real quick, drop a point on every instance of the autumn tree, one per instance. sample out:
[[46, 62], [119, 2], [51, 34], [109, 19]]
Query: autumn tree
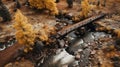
[[25, 34], [44, 33], [85, 8], [45, 4]]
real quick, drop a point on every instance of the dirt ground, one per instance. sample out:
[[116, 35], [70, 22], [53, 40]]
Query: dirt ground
[[107, 55]]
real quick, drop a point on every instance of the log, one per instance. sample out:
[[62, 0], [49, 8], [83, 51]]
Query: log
[[71, 28], [9, 54]]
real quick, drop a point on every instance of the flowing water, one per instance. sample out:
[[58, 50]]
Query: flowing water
[[82, 46]]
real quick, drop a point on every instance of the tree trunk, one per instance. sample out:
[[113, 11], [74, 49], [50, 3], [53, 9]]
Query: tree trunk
[[9, 54]]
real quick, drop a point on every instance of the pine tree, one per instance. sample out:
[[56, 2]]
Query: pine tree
[[18, 5], [70, 3], [4, 12]]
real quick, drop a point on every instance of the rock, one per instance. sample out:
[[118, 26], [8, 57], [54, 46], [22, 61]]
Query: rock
[[98, 35], [2, 47], [93, 52], [77, 57], [59, 60], [74, 46], [88, 38], [62, 43], [65, 66], [80, 50]]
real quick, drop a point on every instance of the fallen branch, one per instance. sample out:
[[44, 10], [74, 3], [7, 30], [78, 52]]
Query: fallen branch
[[9, 54], [70, 28]]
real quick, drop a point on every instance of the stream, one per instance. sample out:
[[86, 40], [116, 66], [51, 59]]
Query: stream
[[77, 54]]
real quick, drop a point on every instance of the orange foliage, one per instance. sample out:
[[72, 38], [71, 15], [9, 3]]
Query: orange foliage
[[45, 32], [47, 4], [85, 8]]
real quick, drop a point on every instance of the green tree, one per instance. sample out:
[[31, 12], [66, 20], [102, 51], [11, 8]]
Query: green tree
[[4, 12]]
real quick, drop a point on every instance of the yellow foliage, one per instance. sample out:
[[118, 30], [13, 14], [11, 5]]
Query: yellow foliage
[[117, 32], [47, 4], [45, 32], [85, 8], [25, 34]]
